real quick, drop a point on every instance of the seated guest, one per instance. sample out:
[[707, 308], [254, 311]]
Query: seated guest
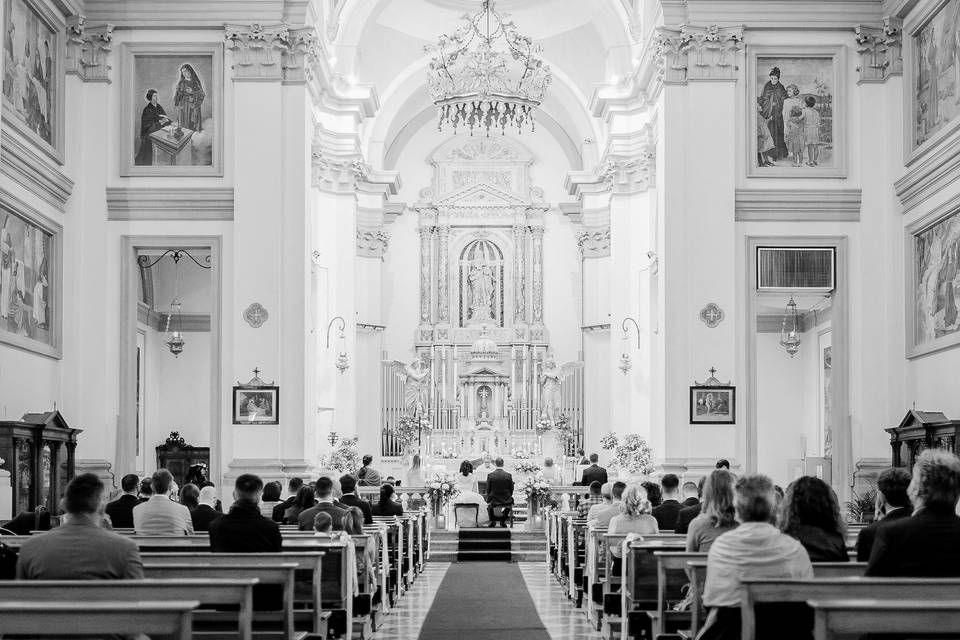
[[686, 515], [353, 521], [121, 509], [349, 497], [690, 492], [323, 524], [369, 477], [79, 549], [892, 504], [811, 514], [591, 499], [593, 473], [392, 480], [583, 458], [27, 521], [602, 513], [174, 493], [719, 513], [666, 512], [549, 472], [189, 495], [634, 516], [387, 505], [205, 513], [754, 549], [305, 499], [324, 493], [924, 545], [146, 489], [161, 516], [271, 498], [723, 463], [292, 488], [653, 492]]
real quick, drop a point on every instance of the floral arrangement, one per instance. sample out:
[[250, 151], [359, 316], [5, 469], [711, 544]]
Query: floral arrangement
[[527, 467], [566, 439], [440, 490], [448, 454], [609, 441], [409, 428], [345, 457], [176, 439], [544, 424], [520, 454], [537, 490], [633, 455]]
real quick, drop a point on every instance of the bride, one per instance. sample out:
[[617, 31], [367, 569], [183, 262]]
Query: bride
[[466, 484]]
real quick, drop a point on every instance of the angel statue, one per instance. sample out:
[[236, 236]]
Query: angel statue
[[416, 384], [550, 379]]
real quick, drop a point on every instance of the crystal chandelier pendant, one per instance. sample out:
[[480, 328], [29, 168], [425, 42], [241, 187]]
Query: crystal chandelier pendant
[[487, 75], [790, 338]]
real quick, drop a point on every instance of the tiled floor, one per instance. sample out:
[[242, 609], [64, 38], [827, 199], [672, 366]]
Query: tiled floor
[[562, 620]]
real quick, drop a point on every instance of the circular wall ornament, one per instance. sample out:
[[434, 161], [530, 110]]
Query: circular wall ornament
[[712, 315], [256, 315]]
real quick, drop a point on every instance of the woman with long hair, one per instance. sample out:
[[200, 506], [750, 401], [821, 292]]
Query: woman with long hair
[[718, 514], [634, 515], [303, 501], [386, 506], [188, 98], [811, 514]]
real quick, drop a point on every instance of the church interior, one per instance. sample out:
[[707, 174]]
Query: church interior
[[707, 247]]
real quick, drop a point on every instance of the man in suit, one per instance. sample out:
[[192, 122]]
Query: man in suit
[[205, 513], [686, 515], [666, 514], [925, 544], [594, 473], [690, 493], [292, 487], [324, 493], [121, 509], [892, 504], [79, 549], [348, 485], [161, 516], [499, 493]]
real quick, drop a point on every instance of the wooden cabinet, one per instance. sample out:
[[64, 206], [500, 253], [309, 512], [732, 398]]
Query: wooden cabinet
[[177, 459], [39, 451], [920, 430]]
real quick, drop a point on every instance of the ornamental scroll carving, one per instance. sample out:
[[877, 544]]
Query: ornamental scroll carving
[[88, 50], [594, 243]]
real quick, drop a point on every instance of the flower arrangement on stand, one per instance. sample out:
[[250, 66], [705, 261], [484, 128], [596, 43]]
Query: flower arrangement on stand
[[609, 441], [520, 454], [409, 429], [566, 438], [544, 424], [527, 467], [538, 493], [633, 456], [439, 492], [345, 457]]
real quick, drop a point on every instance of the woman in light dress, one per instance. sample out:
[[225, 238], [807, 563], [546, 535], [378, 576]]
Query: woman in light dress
[[634, 516], [466, 485], [549, 472]]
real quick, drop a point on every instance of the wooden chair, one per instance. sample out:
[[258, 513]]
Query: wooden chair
[[172, 618], [466, 514]]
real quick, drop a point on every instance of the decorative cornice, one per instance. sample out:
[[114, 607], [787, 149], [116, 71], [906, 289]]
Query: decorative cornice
[[88, 50], [834, 205], [157, 320], [691, 52], [880, 49], [594, 243], [372, 242], [936, 171], [383, 183], [159, 203], [22, 164]]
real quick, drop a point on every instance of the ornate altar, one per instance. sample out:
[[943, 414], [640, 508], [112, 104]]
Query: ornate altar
[[39, 452], [921, 430]]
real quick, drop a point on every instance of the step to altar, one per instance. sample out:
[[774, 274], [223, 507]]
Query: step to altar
[[485, 542]]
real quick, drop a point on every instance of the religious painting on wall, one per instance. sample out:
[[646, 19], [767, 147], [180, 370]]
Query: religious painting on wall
[[172, 111], [32, 74], [826, 399], [933, 322], [713, 405], [796, 114], [256, 405], [29, 282], [935, 74]]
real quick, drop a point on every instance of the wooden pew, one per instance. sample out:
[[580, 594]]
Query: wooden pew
[[840, 618], [172, 618], [632, 591], [595, 573], [238, 592], [758, 593]]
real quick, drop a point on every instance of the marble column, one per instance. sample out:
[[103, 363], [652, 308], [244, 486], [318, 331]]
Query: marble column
[[443, 273], [520, 232], [537, 233], [426, 250]]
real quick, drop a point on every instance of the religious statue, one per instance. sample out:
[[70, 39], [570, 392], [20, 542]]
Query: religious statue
[[481, 291], [551, 378], [416, 389]]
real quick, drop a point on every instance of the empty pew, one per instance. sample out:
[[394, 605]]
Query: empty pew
[[172, 618], [840, 618], [237, 592], [631, 590]]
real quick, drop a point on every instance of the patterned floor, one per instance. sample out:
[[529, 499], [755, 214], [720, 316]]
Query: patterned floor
[[562, 620]]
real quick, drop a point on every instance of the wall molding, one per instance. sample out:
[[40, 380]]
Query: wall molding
[[26, 167], [939, 169], [152, 203], [157, 320], [805, 205]]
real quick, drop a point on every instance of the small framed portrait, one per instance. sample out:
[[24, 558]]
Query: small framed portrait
[[797, 115], [713, 405], [172, 111], [256, 405]]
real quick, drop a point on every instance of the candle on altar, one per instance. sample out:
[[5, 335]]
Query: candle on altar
[[540, 445], [455, 379]]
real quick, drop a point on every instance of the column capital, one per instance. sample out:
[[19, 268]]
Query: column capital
[[693, 52], [257, 50], [880, 49], [631, 174], [594, 242], [88, 50], [303, 49], [335, 174], [372, 242]]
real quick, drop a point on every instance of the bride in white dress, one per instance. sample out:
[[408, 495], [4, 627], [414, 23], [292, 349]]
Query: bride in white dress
[[466, 484]]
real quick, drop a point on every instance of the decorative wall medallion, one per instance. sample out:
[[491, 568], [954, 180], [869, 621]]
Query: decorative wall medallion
[[712, 315], [256, 315]]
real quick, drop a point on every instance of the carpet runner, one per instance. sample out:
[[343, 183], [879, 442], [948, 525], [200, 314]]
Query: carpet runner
[[483, 601], [487, 544]]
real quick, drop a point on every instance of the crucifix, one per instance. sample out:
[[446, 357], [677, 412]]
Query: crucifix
[[713, 315], [484, 393]]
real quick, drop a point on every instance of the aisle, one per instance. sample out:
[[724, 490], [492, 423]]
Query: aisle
[[405, 620], [562, 619], [483, 601]]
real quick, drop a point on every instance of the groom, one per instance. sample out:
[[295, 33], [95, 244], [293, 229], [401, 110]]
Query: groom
[[499, 493]]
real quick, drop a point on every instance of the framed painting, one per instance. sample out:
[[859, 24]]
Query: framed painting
[[172, 110], [30, 277], [256, 405], [796, 123], [933, 281], [713, 405], [825, 345], [932, 64], [33, 85]]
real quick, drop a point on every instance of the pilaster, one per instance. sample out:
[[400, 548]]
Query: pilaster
[[89, 49], [880, 49]]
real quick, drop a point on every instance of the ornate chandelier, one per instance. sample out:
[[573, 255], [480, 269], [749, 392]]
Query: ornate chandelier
[[790, 329], [487, 74]]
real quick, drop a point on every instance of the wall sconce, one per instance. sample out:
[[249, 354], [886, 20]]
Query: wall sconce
[[342, 362], [625, 360], [332, 438], [790, 339]]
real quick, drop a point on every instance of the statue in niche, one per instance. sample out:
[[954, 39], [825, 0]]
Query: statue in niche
[[551, 378], [481, 292], [416, 384]]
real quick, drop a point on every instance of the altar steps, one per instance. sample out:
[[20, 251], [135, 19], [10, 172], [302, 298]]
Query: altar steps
[[487, 544]]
